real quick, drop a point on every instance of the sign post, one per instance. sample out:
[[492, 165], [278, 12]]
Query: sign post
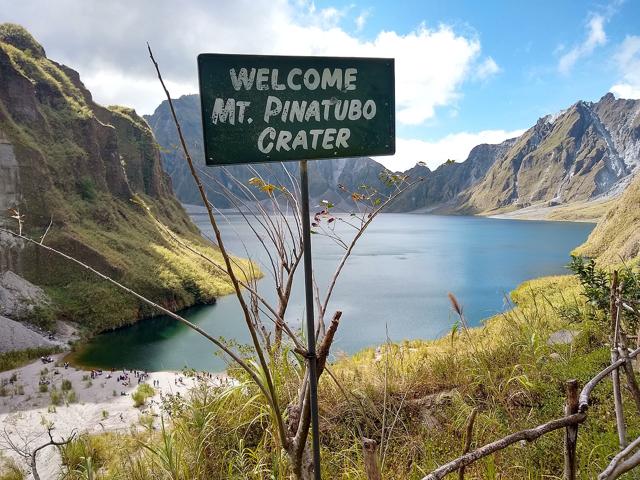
[[277, 108]]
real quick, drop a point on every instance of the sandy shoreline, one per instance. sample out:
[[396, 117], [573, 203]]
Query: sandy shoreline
[[589, 211], [102, 404]]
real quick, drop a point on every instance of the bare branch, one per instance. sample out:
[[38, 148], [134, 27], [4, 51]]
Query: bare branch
[[528, 435], [619, 465]]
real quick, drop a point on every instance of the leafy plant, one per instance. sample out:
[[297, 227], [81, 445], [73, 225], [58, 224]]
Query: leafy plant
[[597, 289]]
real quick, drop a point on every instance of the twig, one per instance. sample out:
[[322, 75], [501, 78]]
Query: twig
[[615, 374], [47, 230], [272, 396], [583, 404]]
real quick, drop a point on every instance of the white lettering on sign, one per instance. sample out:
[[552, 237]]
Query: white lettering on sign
[[224, 111], [284, 140], [312, 79], [277, 110], [242, 79]]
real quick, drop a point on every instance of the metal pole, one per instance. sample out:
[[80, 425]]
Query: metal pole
[[311, 330]]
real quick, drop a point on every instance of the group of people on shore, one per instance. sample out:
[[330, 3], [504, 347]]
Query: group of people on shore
[[140, 375]]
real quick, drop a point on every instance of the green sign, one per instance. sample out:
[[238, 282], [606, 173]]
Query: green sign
[[275, 108]]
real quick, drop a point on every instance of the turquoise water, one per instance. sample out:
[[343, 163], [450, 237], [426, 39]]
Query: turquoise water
[[397, 281]]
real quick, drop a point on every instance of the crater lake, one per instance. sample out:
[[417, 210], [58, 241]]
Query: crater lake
[[395, 283]]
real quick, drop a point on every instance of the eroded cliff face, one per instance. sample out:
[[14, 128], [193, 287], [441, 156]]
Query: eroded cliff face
[[95, 175], [586, 152], [9, 199]]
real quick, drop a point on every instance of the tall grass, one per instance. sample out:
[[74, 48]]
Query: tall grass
[[506, 369]]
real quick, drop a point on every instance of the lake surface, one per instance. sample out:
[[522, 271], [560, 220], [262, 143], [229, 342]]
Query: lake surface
[[397, 280]]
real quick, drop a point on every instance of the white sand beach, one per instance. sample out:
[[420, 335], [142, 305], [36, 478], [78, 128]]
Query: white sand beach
[[103, 403]]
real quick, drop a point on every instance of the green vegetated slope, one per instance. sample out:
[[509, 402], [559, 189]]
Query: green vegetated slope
[[616, 238], [95, 174]]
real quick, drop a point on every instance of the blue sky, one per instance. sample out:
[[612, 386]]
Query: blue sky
[[466, 72], [527, 41]]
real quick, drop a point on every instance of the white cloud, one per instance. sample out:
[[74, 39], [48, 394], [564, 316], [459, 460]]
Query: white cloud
[[111, 87], [106, 43], [361, 20], [627, 60], [455, 146], [596, 37], [487, 68]]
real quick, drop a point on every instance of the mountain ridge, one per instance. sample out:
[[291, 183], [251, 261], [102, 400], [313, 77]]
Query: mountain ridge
[[581, 154]]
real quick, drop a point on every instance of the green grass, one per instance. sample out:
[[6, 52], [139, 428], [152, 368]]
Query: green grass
[[19, 358], [10, 470]]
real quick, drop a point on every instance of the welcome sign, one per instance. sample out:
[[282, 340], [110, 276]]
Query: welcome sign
[[278, 108]]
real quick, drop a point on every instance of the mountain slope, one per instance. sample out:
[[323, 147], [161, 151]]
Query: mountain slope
[[616, 238], [587, 151], [95, 174], [440, 188], [585, 154]]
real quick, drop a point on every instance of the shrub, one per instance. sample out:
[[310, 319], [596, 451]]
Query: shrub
[[87, 189], [71, 397], [66, 385], [43, 388], [55, 396], [143, 392], [9, 470]]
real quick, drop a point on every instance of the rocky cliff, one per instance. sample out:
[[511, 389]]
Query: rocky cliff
[[589, 151], [95, 175]]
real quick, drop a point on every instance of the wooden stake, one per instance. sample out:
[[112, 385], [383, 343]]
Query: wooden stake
[[615, 374], [371, 460], [632, 383], [571, 432]]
